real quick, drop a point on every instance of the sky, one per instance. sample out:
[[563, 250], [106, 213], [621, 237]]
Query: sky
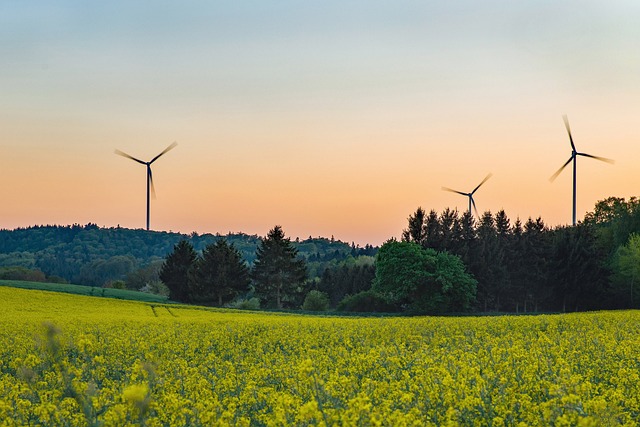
[[329, 118]]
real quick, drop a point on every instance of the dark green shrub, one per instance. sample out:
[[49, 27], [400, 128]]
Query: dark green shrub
[[246, 304], [118, 284], [366, 302], [316, 301]]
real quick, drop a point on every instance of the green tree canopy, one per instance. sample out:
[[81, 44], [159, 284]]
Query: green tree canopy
[[626, 267], [422, 279], [174, 273], [219, 275], [278, 273]]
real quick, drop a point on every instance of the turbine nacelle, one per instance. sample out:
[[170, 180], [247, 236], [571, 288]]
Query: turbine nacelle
[[573, 158], [472, 202]]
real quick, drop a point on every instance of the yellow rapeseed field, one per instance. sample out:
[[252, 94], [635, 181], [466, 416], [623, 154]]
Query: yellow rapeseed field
[[70, 360]]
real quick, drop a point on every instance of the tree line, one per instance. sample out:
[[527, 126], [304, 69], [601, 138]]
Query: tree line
[[404, 277], [95, 256], [444, 262], [522, 267], [219, 275]]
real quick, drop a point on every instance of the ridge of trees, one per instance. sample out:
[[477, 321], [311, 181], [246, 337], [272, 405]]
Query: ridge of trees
[[532, 267], [96, 256], [219, 275], [446, 262]]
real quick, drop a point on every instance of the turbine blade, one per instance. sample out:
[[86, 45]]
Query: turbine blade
[[566, 124], [454, 191], [473, 202], [483, 181], [123, 154], [152, 189], [555, 175], [602, 159], [164, 152]]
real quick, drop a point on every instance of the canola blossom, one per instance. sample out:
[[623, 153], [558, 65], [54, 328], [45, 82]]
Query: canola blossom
[[68, 360]]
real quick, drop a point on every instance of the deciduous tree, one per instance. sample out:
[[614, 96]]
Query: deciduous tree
[[626, 265], [422, 279]]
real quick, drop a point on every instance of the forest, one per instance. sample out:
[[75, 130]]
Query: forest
[[444, 263], [95, 256], [522, 267]]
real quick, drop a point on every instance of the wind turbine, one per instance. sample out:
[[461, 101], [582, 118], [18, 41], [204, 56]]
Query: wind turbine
[[573, 158], [470, 195], [150, 189]]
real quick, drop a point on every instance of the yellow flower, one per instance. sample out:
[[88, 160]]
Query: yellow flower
[[136, 393]]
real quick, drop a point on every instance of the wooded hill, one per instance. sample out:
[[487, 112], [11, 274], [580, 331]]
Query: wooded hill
[[91, 255]]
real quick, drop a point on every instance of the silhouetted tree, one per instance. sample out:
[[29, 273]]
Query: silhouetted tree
[[577, 268], [536, 264], [503, 235], [489, 268], [218, 275], [415, 232], [432, 231], [448, 229], [515, 265], [278, 273], [346, 279], [468, 240], [174, 273]]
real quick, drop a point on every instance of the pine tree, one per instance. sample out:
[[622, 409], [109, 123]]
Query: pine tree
[[277, 272], [503, 277], [448, 220], [516, 265], [468, 246], [488, 262], [432, 231], [415, 231], [174, 271], [219, 275], [578, 273], [535, 262]]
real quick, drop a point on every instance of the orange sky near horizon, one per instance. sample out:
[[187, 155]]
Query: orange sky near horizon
[[335, 122]]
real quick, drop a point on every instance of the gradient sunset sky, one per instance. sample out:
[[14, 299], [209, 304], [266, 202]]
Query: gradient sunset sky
[[326, 117]]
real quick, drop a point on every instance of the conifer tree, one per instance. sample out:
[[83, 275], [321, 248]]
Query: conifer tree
[[415, 231], [536, 249], [174, 271], [219, 275], [278, 274], [448, 219], [432, 231]]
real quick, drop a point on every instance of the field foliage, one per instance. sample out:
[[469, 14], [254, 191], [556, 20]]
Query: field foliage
[[77, 360], [86, 290]]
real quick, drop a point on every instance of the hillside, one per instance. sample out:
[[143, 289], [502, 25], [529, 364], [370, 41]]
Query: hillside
[[91, 255]]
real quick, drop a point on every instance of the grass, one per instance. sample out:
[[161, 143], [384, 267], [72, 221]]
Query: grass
[[86, 290]]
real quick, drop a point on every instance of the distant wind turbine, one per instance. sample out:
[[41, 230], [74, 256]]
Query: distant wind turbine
[[470, 195], [574, 156], [150, 189]]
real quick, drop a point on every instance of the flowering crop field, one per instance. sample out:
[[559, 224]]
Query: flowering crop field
[[69, 360]]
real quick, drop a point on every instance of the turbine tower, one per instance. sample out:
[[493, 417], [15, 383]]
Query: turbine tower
[[573, 158], [150, 189], [470, 195]]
